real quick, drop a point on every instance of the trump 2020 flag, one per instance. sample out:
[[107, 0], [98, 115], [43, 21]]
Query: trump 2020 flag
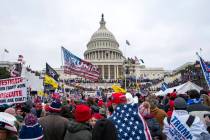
[[77, 66], [129, 123], [51, 72], [206, 70]]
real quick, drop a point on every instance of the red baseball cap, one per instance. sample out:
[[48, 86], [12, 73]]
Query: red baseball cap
[[118, 98]]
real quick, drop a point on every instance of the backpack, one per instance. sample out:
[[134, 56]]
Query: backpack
[[189, 121]]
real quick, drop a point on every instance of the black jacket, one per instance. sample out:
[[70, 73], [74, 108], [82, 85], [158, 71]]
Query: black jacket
[[78, 131], [104, 130]]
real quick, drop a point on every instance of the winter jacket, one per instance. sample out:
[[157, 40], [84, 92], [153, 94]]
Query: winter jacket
[[54, 126], [153, 125], [78, 131], [159, 114], [178, 127], [104, 130], [198, 110]]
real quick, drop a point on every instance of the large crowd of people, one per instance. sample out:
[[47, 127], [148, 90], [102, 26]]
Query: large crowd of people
[[119, 116]]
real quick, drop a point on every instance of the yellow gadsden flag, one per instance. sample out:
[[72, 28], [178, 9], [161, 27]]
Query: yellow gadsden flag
[[42, 94], [118, 89], [50, 81]]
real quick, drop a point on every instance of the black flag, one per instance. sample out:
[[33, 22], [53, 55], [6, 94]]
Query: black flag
[[51, 72]]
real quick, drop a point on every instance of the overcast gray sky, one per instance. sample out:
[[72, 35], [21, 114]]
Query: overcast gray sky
[[164, 33]]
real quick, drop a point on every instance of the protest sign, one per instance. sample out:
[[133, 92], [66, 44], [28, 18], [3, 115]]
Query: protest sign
[[13, 90]]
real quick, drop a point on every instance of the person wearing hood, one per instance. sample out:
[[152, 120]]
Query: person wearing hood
[[182, 125], [80, 128], [54, 125]]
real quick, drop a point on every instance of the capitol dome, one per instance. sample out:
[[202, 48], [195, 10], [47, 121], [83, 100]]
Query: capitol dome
[[103, 51], [102, 33]]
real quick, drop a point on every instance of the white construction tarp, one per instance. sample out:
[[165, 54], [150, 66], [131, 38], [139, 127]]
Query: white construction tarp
[[181, 89]]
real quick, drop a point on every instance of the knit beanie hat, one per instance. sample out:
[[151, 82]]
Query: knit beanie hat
[[30, 119], [144, 109], [82, 113], [32, 129], [118, 98], [11, 111], [180, 103], [55, 106]]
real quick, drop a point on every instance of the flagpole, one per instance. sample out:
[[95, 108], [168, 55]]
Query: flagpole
[[200, 52], [125, 68], [136, 78], [62, 65]]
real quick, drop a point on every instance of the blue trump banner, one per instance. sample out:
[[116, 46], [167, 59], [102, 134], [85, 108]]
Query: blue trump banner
[[77, 66], [206, 70], [164, 86]]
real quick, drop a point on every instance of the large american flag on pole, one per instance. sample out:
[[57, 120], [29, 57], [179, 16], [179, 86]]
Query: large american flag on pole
[[129, 123], [77, 66]]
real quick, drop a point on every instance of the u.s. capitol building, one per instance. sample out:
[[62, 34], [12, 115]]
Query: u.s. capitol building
[[103, 51]]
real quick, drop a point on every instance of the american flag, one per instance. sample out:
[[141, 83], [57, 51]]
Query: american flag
[[77, 66], [129, 123], [127, 42], [136, 60], [6, 51]]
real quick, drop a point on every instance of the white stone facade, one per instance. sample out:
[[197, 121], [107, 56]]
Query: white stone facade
[[103, 51], [150, 73]]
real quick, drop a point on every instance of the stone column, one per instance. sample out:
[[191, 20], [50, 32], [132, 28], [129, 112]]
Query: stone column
[[108, 71], [102, 71], [117, 72], [97, 54]]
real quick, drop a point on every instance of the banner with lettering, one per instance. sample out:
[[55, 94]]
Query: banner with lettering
[[13, 90], [178, 129], [77, 66]]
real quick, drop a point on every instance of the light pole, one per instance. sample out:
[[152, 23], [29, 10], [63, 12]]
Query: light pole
[[125, 70]]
